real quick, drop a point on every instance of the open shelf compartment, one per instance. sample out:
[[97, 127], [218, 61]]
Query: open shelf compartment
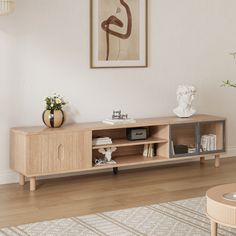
[[131, 152], [131, 155], [212, 137], [183, 140], [197, 138], [156, 134], [125, 143]]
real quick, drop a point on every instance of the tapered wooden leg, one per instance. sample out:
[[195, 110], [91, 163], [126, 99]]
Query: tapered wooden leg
[[202, 160], [213, 228], [217, 161], [32, 184], [21, 179]]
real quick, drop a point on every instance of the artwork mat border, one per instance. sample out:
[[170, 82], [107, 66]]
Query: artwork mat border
[[119, 66]]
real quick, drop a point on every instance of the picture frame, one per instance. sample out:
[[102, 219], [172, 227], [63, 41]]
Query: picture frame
[[118, 33]]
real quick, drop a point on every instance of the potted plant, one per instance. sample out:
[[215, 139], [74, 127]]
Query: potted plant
[[53, 116], [227, 83]]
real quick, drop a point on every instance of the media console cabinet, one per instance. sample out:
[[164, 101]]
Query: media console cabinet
[[40, 151]]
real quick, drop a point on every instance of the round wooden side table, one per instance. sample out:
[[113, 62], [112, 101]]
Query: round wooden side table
[[221, 206]]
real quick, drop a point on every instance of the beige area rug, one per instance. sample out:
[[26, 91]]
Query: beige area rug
[[180, 218]]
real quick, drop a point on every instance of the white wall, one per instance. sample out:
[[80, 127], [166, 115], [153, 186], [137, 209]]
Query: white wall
[[44, 47]]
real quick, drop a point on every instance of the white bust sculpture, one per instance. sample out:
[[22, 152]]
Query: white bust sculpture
[[185, 96]]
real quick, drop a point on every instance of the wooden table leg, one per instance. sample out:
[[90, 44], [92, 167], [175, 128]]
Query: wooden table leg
[[217, 161], [32, 184], [21, 179], [213, 228], [202, 160]]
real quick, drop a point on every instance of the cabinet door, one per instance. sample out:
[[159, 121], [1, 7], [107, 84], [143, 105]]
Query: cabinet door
[[59, 153]]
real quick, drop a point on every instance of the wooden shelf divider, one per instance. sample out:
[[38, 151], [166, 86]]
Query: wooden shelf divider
[[126, 143], [133, 160]]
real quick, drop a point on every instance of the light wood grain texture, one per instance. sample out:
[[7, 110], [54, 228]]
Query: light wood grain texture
[[101, 126], [217, 161], [126, 143], [35, 155], [112, 133], [219, 209], [137, 164], [36, 150], [32, 184], [18, 152], [213, 228], [162, 132], [133, 160], [184, 135], [202, 160], [64, 153], [99, 192], [40, 152], [21, 179], [140, 160], [86, 154]]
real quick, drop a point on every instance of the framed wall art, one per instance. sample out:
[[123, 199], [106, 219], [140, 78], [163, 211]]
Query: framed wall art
[[118, 33]]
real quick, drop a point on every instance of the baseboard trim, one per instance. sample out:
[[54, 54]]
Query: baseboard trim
[[9, 177]]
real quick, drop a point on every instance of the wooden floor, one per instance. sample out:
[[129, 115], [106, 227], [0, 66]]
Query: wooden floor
[[88, 194]]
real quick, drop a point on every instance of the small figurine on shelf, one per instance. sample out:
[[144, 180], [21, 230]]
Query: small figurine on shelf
[[119, 118], [117, 115], [108, 153]]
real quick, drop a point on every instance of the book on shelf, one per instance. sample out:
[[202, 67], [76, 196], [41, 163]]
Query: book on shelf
[[102, 141], [149, 150], [208, 142], [119, 121], [172, 148]]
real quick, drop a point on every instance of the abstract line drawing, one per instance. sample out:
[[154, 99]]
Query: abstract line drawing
[[113, 20], [118, 33]]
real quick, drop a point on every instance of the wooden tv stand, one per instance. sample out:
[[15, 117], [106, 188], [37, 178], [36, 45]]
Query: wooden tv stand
[[40, 151]]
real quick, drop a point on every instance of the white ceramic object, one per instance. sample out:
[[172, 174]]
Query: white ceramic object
[[107, 152], [185, 97]]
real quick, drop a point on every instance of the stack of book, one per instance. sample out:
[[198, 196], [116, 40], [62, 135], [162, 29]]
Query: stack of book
[[119, 121], [149, 150], [208, 142], [102, 141]]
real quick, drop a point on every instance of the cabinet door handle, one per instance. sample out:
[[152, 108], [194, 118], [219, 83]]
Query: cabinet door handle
[[60, 152]]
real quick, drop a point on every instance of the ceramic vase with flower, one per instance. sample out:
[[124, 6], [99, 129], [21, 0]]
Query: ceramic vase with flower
[[53, 116]]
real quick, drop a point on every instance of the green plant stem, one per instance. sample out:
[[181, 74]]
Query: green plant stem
[[227, 83]]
